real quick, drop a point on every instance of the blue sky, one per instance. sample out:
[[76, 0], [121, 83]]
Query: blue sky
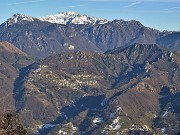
[[158, 14]]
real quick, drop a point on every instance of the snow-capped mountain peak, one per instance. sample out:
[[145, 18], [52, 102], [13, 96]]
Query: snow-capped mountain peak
[[16, 18], [72, 18]]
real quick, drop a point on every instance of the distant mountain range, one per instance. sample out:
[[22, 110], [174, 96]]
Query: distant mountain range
[[77, 74], [67, 18], [42, 37]]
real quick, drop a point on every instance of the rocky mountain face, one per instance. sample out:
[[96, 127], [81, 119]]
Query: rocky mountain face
[[67, 31], [170, 40], [128, 90], [11, 61], [41, 39], [118, 33]]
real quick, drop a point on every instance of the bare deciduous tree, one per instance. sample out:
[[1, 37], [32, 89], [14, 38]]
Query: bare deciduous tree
[[11, 125]]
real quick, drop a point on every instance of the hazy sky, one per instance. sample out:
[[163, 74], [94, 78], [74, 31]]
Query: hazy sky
[[158, 14]]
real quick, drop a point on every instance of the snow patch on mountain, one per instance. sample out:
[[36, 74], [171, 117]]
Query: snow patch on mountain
[[16, 18], [72, 18], [98, 120]]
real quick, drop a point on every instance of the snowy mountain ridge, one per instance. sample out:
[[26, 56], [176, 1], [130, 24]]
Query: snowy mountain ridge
[[72, 18], [16, 18], [65, 18]]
